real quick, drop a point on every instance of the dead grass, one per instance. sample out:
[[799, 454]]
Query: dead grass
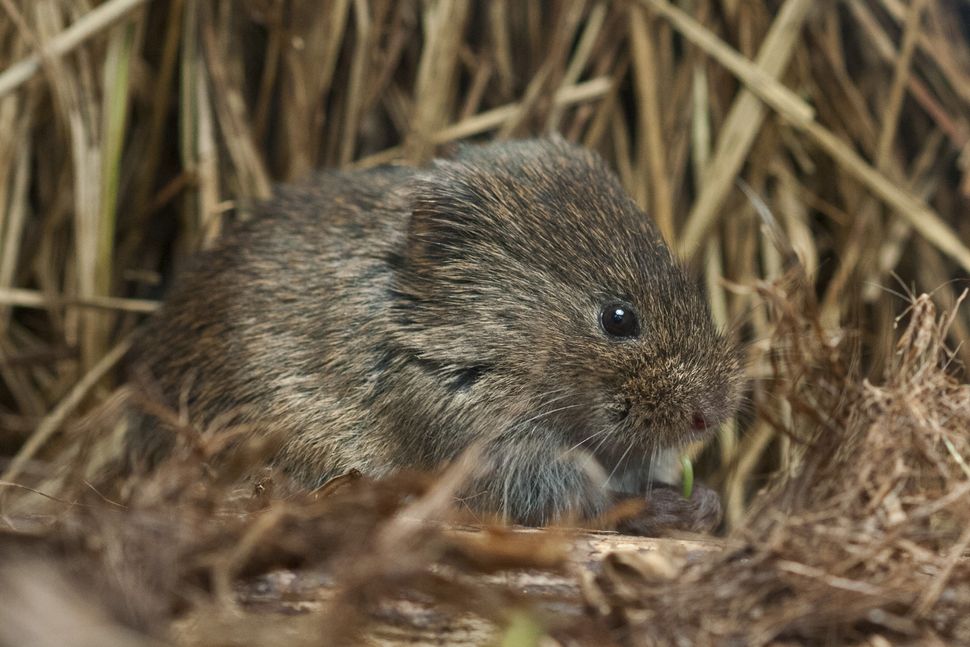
[[863, 537], [130, 128]]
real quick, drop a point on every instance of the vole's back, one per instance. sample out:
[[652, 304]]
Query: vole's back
[[266, 326]]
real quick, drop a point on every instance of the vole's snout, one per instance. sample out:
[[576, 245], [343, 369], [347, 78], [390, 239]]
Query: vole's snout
[[714, 404], [677, 400]]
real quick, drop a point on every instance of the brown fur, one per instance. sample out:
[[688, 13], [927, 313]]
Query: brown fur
[[387, 319]]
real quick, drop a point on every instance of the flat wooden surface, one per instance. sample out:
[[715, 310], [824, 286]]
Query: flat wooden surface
[[292, 596]]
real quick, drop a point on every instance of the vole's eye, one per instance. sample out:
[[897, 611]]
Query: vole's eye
[[619, 320]]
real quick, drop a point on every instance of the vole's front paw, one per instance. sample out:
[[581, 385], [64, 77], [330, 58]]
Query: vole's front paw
[[668, 510]]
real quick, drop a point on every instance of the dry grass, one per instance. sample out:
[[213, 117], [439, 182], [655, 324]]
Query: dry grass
[[863, 537], [130, 128]]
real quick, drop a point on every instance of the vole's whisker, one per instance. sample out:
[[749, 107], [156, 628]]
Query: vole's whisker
[[587, 439], [602, 440], [644, 465], [549, 413], [654, 457], [618, 463], [561, 394]]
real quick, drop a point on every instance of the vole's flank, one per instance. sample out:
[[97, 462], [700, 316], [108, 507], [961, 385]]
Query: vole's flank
[[388, 319]]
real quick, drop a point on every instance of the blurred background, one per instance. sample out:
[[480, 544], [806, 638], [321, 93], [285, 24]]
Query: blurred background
[[131, 129]]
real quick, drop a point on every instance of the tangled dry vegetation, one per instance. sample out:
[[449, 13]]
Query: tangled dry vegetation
[[129, 129]]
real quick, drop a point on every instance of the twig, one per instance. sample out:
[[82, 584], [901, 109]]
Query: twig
[[33, 299], [801, 116], [52, 421], [91, 23], [743, 124], [483, 121]]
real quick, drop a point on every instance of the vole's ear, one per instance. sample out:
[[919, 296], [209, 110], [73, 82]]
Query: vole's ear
[[444, 214]]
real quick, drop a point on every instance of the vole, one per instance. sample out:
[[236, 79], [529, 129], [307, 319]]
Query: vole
[[512, 296]]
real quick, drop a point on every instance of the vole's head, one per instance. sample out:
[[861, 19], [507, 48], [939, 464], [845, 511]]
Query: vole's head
[[531, 283]]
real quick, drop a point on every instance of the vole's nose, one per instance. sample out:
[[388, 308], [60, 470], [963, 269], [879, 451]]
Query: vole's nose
[[698, 421]]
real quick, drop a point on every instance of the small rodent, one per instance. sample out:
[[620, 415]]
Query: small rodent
[[387, 319]]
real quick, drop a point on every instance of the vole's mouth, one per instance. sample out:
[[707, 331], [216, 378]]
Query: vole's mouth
[[663, 429]]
